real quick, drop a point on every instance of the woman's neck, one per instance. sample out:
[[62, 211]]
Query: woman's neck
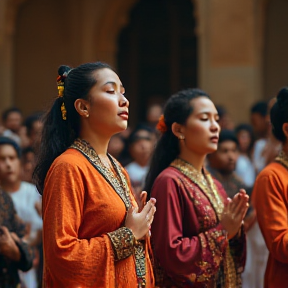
[[98, 142], [196, 160], [285, 147]]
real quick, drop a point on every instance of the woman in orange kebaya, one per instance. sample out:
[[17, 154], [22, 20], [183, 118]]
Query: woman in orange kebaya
[[270, 199], [93, 233]]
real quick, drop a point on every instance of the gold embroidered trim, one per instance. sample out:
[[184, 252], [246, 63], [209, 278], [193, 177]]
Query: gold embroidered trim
[[205, 182], [119, 183], [283, 159], [123, 241], [119, 238]]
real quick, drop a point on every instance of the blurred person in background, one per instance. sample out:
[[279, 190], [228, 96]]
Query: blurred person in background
[[140, 146], [225, 120], [28, 160], [153, 114], [24, 195], [244, 165], [258, 118], [270, 199], [222, 163], [272, 146], [12, 121], [116, 146], [34, 126], [15, 253]]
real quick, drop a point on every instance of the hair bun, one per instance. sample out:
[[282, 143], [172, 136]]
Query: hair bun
[[63, 70], [282, 98]]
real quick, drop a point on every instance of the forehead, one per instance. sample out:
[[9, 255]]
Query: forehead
[[202, 105], [227, 144], [7, 150], [105, 75]]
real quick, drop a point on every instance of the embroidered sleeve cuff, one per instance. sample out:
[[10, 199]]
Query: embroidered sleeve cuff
[[123, 242]]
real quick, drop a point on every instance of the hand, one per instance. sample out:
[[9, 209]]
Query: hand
[[140, 222], [8, 246], [234, 213]]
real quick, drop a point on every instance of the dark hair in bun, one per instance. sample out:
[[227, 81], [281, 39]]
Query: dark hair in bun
[[59, 133], [279, 114]]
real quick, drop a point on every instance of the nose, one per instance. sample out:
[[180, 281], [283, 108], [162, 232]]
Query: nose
[[215, 127], [123, 102]]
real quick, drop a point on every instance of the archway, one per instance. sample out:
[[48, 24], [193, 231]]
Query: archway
[[157, 52]]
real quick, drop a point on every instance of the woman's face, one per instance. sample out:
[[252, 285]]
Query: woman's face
[[244, 140], [201, 130], [107, 108]]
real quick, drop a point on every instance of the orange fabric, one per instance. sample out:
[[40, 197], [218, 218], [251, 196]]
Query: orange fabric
[[270, 199], [79, 209]]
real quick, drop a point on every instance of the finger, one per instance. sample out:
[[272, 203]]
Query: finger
[[143, 198], [135, 210], [242, 191], [149, 205], [150, 214], [15, 237], [5, 230], [240, 208]]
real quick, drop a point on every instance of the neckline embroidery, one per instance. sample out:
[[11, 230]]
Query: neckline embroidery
[[204, 181], [282, 158], [118, 183]]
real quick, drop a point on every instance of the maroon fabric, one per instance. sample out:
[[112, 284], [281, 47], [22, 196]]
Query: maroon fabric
[[188, 241]]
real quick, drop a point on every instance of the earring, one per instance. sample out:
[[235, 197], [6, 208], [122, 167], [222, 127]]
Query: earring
[[181, 137], [87, 115]]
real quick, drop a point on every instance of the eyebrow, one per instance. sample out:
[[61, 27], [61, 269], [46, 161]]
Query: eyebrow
[[209, 113], [113, 83]]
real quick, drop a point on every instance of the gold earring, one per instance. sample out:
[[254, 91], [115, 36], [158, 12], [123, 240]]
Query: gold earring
[[181, 137], [87, 115]]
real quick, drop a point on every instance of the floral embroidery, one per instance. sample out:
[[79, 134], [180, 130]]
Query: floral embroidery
[[123, 241], [228, 277]]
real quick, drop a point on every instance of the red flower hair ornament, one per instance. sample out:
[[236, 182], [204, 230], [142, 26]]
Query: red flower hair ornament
[[161, 125]]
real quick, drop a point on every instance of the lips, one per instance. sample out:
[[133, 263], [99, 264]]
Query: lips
[[214, 139], [124, 115]]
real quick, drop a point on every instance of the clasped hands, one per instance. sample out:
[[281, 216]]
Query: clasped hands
[[139, 220], [234, 212]]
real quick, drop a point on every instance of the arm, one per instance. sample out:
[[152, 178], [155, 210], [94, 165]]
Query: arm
[[271, 209], [65, 253], [199, 255]]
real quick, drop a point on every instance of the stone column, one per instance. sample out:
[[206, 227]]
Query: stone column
[[230, 49]]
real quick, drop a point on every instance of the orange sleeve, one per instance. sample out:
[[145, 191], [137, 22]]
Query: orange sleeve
[[74, 262], [269, 202]]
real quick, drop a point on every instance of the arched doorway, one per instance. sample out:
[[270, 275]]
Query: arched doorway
[[157, 53]]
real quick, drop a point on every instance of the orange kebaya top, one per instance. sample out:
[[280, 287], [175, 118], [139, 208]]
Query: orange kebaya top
[[270, 199], [84, 238]]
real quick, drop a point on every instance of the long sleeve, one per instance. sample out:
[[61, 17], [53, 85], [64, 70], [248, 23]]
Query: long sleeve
[[198, 256], [271, 207], [69, 257]]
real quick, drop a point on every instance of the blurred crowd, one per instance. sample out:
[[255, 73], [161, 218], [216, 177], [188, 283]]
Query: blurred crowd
[[243, 151]]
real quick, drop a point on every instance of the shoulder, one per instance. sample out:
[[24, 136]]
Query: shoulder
[[273, 170], [169, 177], [70, 157]]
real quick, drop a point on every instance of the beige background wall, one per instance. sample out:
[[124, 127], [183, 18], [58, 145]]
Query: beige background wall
[[242, 47]]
